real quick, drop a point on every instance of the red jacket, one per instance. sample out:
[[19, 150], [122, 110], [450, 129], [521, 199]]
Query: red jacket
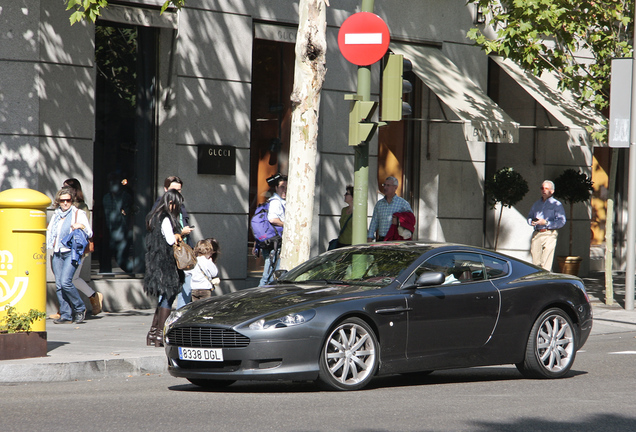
[[406, 220]]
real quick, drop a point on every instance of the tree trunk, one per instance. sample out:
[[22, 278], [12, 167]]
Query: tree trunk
[[498, 226], [309, 76]]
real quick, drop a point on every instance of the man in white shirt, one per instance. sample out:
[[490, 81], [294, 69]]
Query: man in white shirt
[[546, 216]]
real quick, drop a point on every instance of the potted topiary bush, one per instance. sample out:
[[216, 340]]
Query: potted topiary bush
[[17, 341], [506, 187], [571, 187]]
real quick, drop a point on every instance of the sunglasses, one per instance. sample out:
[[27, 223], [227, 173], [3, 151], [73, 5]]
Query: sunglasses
[[65, 200]]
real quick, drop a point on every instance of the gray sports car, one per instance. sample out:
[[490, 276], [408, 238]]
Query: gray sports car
[[350, 314]]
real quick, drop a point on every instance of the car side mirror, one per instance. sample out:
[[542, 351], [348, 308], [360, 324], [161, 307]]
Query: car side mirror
[[427, 279], [278, 274]]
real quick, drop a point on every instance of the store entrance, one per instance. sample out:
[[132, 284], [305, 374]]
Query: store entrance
[[125, 145]]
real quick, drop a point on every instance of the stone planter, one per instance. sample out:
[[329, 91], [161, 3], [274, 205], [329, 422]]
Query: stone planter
[[22, 345], [569, 264]]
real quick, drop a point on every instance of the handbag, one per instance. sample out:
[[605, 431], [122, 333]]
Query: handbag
[[333, 243], [184, 255]]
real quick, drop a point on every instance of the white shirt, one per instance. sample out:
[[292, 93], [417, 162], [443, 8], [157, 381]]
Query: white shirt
[[202, 273], [276, 208], [166, 230]]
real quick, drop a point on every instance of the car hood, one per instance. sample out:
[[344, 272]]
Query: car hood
[[247, 305]]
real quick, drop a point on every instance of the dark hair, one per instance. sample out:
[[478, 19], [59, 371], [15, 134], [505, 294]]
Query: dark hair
[[75, 184], [172, 179], [203, 248], [170, 197], [349, 189], [275, 180], [215, 246]]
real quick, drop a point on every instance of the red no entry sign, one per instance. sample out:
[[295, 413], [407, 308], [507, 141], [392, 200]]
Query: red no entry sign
[[363, 38]]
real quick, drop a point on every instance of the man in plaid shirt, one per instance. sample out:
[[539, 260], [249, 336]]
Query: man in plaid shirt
[[383, 211]]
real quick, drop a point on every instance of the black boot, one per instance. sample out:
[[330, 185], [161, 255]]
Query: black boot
[[152, 334], [163, 316]]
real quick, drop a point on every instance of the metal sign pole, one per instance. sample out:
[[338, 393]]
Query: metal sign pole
[[361, 163], [631, 195]]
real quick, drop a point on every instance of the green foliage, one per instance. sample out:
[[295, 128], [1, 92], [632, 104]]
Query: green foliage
[[89, 10], [573, 186], [549, 35], [507, 187], [85, 9], [176, 3], [20, 322]]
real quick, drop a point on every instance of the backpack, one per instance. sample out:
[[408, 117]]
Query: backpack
[[264, 232]]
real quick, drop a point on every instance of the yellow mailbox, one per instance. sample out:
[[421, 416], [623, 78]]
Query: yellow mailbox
[[23, 252]]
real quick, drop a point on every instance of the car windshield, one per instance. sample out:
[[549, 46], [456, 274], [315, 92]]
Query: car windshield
[[358, 265]]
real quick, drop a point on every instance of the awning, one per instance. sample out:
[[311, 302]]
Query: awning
[[482, 118], [562, 105]]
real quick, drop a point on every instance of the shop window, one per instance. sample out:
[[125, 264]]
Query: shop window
[[124, 147]]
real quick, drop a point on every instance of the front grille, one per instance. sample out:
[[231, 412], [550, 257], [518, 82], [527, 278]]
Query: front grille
[[206, 337]]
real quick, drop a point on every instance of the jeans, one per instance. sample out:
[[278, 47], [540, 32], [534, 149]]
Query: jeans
[[67, 295], [185, 295], [268, 269], [166, 302]]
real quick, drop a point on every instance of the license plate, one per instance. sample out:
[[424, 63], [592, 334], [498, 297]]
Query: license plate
[[201, 354]]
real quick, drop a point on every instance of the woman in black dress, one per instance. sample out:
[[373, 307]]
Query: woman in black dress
[[162, 277]]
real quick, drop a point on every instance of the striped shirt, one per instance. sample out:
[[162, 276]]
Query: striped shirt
[[383, 215]]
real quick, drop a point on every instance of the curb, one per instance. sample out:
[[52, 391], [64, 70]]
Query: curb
[[82, 370]]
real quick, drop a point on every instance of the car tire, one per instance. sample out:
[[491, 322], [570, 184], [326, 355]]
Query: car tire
[[350, 355], [551, 346], [211, 384]]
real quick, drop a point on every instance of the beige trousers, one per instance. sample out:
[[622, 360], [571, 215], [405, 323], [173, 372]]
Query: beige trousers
[[542, 248]]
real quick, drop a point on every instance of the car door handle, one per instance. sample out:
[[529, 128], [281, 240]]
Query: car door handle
[[393, 310]]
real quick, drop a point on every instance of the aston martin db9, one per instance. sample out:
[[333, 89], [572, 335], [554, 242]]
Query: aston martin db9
[[353, 313]]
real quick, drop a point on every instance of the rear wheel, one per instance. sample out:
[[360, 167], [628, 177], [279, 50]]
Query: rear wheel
[[551, 347], [211, 384], [349, 357]]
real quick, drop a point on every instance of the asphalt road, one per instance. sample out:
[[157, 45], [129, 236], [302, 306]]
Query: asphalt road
[[597, 396]]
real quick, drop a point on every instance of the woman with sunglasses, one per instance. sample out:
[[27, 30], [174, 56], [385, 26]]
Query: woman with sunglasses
[[346, 225], [66, 219], [94, 297]]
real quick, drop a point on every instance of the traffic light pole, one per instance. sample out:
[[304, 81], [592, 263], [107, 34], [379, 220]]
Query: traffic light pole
[[361, 163]]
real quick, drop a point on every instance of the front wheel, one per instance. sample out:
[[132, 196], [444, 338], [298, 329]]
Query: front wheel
[[349, 357], [551, 347]]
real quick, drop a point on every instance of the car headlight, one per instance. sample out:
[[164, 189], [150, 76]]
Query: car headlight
[[288, 320], [174, 316]]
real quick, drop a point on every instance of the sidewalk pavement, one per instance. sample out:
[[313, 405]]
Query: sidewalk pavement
[[114, 344], [106, 345]]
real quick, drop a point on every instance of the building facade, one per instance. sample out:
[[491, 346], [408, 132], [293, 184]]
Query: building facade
[[203, 93]]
